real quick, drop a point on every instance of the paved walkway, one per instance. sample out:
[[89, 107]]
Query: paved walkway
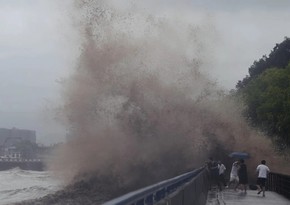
[[230, 197]]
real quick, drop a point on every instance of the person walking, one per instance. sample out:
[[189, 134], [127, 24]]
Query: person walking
[[234, 178], [213, 169], [222, 170], [262, 171], [243, 176]]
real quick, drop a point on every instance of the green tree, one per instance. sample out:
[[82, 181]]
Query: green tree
[[279, 57], [268, 102]]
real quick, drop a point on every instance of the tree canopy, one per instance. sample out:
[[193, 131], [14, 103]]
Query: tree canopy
[[279, 58], [266, 93], [268, 102]]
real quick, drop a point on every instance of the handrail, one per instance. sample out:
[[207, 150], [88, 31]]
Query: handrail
[[19, 160], [274, 173], [154, 193], [279, 183]]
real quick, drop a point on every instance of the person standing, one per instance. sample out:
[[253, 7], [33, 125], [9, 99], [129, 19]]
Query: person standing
[[262, 171], [234, 178], [222, 170], [243, 176]]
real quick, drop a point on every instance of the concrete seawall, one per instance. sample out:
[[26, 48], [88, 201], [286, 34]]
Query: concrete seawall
[[25, 164]]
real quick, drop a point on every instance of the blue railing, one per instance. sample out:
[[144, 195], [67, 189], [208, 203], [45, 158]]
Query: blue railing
[[279, 183], [166, 190]]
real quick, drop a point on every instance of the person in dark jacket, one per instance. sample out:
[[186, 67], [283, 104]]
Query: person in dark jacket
[[243, 176], [213, 169]]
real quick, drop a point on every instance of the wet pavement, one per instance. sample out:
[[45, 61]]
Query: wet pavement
[[231, 197]]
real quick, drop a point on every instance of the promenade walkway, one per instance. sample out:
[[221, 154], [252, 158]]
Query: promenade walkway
[[230, 197]]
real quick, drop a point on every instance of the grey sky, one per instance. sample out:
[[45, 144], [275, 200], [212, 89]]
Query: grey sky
[[32, 59], [238, 5], [35, 51]]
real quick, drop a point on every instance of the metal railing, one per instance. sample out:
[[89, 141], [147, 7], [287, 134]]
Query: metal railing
[[279, 183], [19, 160], [189, 188]]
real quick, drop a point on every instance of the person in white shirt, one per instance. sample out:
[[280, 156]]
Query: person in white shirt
[[262, 171], [234, 178], [222, 170]]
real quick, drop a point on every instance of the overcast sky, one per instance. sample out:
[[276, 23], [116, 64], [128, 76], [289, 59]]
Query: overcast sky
[[35, 51]]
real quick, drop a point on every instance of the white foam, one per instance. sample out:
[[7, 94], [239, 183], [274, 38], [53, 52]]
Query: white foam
[[17, 185]]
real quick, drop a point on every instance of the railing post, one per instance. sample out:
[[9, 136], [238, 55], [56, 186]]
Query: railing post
[[270, 182]]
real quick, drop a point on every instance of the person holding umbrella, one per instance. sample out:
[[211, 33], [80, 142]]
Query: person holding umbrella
[[243, 175], [234, 178]]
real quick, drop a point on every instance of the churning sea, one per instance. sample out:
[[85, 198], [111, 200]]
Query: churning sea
[[17, 185]]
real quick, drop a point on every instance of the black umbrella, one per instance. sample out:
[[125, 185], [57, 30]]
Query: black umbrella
[[239, 155]]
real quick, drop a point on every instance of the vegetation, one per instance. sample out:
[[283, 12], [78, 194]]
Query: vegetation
[[266, 92], [278, 58]]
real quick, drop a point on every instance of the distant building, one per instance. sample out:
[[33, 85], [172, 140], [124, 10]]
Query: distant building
[[14, 134], [11, 137], [11, 152]]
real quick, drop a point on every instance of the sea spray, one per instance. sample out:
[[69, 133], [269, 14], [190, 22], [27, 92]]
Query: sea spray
[[138, 105]]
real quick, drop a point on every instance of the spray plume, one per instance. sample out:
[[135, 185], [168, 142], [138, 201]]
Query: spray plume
[[139, 107]]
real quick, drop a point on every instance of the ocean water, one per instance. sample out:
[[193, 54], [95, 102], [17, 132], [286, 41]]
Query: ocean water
[[17, 185]]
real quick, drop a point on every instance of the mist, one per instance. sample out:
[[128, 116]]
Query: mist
[[140, 106]]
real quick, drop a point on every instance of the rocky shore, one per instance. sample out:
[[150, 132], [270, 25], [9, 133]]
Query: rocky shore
[[83, 192]]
